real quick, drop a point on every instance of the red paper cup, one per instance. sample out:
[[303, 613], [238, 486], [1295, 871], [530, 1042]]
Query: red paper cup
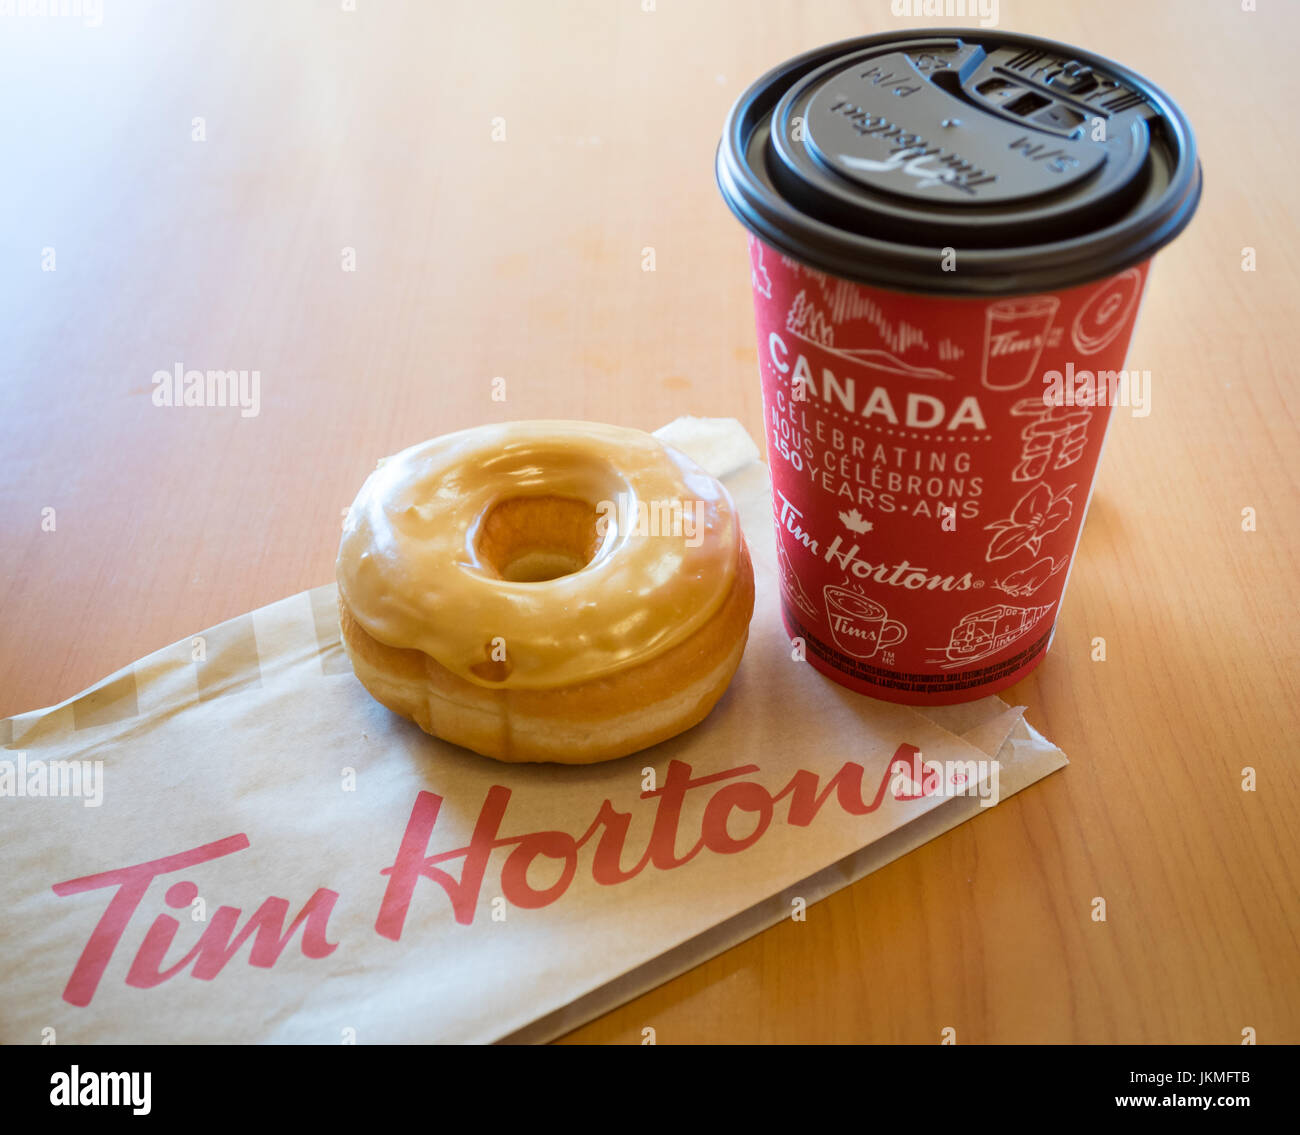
[[947, 257]]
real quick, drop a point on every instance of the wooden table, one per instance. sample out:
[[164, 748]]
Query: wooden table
[[521, 257]]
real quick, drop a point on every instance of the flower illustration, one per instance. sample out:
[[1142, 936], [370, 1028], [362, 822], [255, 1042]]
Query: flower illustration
[[1039, 512]]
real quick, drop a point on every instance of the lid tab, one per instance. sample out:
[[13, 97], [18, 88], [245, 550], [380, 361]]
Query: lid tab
[[886, 126]]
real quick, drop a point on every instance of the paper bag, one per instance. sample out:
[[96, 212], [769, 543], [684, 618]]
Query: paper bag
[[231, 841]]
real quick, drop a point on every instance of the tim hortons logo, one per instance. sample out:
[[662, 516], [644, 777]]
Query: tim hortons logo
[[159, 958], [908, 152]]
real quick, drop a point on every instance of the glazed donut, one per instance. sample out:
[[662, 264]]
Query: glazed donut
[[545, 590]]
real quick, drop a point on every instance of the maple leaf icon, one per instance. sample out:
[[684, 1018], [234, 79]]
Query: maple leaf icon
[[852, 520]]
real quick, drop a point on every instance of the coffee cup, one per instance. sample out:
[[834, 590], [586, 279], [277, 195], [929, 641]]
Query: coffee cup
[[949, 236]]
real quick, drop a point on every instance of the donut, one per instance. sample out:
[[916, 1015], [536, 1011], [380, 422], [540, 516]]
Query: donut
[[545, 590]]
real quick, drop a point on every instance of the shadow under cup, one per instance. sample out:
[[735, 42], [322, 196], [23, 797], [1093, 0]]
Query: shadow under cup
[[950, 233]]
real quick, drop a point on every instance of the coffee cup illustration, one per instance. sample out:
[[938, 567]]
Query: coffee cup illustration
[[860, 626], [1014, 333]]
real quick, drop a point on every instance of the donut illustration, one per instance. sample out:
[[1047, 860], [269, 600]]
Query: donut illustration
[[1104, 315]]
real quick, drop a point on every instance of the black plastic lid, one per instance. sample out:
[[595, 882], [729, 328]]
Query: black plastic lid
[[1041, 165]]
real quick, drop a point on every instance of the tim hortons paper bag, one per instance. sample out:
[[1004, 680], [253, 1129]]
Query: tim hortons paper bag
[[230, 841]]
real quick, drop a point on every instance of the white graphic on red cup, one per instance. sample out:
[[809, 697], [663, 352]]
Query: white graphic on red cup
[[790, 585], [1055, 433], [758, 277], [860, 626], [854, 522], [986, 632], [1028, 580], [1038, 513], [805, 318], [809, 322], [1105, 314], [848, 302], [1014, 333]]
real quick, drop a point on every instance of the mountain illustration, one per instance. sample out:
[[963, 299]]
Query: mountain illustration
[[809, 322]]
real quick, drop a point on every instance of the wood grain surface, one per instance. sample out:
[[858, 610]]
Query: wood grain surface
[[522, 258]]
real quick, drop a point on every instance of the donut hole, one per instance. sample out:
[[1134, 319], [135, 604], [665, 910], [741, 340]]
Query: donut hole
[[533, 539]]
